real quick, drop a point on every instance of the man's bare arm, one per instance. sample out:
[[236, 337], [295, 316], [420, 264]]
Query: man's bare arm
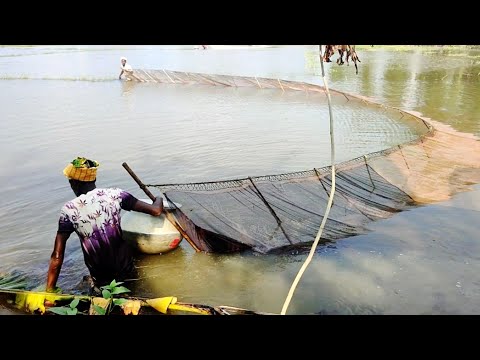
[[154, 209], [56, 260], [120, 76]]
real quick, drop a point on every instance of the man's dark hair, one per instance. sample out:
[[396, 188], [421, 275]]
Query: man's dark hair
[[81, 187]]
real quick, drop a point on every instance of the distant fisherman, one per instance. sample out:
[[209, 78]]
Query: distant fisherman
[[126, 68]]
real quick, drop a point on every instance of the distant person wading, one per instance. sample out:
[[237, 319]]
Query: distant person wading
[[126, 69]]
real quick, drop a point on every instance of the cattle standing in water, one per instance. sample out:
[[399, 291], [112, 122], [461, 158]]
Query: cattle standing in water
[[342, 49]]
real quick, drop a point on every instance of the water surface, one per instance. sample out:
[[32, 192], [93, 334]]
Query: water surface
[[60, 102]]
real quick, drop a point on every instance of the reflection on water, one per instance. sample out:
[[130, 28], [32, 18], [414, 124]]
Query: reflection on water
[[441, 84], [170, 133]]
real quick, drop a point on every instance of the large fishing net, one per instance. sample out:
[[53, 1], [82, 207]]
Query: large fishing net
[[279, 212]]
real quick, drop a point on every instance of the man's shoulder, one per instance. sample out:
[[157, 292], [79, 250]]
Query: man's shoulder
[[69, 206], [100, 191], [115, 192], [113, 189], [97, 192], [92, 197]]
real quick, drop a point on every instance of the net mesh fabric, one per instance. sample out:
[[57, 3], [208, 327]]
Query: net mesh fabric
[[278, 212]]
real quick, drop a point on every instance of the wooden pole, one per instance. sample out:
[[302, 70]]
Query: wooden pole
[[167, 214]]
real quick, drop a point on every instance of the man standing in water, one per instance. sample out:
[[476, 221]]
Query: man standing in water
[[95, 216], [126, 68]]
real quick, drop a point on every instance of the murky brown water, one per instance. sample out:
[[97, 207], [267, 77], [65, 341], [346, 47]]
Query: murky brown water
[[60, 102]]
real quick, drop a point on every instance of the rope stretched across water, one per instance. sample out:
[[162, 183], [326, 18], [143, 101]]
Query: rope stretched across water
[[330, 199]]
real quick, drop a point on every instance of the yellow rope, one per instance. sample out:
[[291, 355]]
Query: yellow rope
[[330, 199]]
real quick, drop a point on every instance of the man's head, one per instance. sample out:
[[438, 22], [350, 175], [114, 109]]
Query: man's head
[[123, 60], [82, 174], [81, 187]]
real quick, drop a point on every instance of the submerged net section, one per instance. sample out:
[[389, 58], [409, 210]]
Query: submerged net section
[[278, 212], [284, 211]]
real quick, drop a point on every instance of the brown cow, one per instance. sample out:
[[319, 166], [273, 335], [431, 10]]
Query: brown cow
[[342, 49]]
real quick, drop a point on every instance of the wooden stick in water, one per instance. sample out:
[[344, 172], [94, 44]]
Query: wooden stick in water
[[167, 214]]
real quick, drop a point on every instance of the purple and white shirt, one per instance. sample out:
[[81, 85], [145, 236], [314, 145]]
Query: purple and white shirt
[[95, 217]]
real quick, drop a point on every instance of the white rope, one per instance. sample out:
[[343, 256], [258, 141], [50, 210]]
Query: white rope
[[330, 199], [168, 76], [150, 76]]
